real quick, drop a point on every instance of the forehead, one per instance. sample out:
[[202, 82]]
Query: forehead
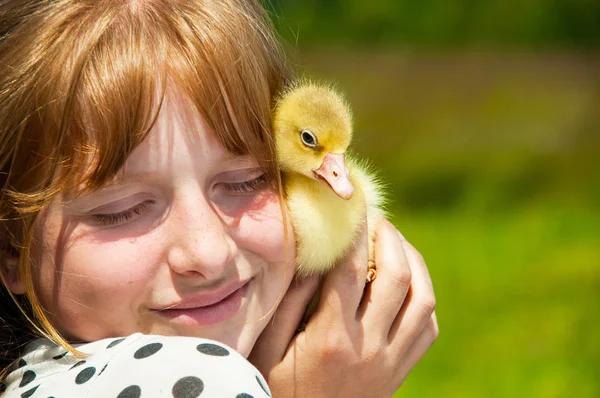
[[179, 135]]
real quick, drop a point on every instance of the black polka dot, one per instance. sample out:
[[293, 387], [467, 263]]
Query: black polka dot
[[260, 383], [77, 364], [29, 393], [59, 356], [21, 363], [188, 387], [28, 377], [85, 375], [244, 395], [131, 392], [114, 343], [212, 349], [102, 369], [147, 350]]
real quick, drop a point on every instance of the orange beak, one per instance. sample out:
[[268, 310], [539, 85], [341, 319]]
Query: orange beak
[[333, 171]]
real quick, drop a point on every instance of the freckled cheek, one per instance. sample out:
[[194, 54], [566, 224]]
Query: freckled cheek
[[122, 263], [262, 232], [98, 274]]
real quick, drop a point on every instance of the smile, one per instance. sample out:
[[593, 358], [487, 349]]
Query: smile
[[208, 308]]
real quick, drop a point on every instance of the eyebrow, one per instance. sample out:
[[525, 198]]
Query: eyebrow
[[122, 178], [126, 178], [113, 182], [238, 160]]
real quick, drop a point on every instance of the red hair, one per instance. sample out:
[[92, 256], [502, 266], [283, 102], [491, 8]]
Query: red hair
[[79, 84]]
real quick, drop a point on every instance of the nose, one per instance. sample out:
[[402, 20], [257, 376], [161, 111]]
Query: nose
[[200, 245]]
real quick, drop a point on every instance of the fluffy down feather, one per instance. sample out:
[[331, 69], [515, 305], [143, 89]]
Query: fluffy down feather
[[327, 191]]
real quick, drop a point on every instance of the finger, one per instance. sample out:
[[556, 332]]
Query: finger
[[419, 303], [344, 285], [416, 258], [275, 338], [385, 295], [418, 349]]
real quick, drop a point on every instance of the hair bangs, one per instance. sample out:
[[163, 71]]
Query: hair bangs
[[231, 78], [81, 83], [118, 97]]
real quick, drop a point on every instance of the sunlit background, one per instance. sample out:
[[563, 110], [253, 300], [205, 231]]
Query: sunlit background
[[484, 118]]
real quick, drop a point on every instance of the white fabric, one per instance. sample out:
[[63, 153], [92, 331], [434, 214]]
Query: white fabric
[[139, 366]]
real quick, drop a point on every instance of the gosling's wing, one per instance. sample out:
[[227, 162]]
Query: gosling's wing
[[364, 175]]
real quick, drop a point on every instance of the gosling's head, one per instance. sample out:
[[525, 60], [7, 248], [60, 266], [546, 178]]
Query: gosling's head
[[313, 129]]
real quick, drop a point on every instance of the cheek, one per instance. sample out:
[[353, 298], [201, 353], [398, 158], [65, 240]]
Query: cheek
[[111, 266], [261, 231], [78, 277]]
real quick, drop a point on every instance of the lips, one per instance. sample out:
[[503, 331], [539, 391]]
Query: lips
[[208, 307], [205, 299]]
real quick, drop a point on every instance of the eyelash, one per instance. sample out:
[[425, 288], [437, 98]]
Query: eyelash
[[246, 186], [123, 216]]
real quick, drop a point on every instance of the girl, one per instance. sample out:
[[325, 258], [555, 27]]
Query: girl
[[142, 214]]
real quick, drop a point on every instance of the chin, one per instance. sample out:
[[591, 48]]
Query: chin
[[243, 341], [244, 350], [241, 338]]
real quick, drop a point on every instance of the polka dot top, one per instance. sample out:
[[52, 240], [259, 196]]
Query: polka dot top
[[138, 366]]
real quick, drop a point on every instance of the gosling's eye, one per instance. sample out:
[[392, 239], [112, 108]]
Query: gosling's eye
[[308, 138]]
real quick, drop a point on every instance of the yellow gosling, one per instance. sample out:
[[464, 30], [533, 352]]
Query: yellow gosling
[[327, 191]]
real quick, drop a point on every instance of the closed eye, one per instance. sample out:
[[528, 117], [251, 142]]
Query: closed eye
[[245, 187], [122, 217]]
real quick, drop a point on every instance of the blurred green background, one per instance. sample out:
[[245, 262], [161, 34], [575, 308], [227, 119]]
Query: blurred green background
[[484, 118]]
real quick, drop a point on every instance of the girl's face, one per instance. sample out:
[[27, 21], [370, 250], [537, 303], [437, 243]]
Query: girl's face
[[189, 241]]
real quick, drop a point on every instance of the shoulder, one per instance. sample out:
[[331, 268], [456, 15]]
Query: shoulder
[[138, 366]]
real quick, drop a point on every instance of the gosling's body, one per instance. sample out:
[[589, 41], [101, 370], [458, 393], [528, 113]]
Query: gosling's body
[[325, 225], [326, 217]]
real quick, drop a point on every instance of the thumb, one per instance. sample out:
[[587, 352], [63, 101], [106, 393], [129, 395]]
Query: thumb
[[272, 344]]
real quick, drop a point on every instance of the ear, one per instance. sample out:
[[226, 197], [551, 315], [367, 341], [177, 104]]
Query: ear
[[9, 267]]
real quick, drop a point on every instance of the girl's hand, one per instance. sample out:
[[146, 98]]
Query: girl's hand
[[355, 344]]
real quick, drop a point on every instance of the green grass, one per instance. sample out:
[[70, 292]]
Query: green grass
[[516, 303], [491, 165], [499, 23]]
